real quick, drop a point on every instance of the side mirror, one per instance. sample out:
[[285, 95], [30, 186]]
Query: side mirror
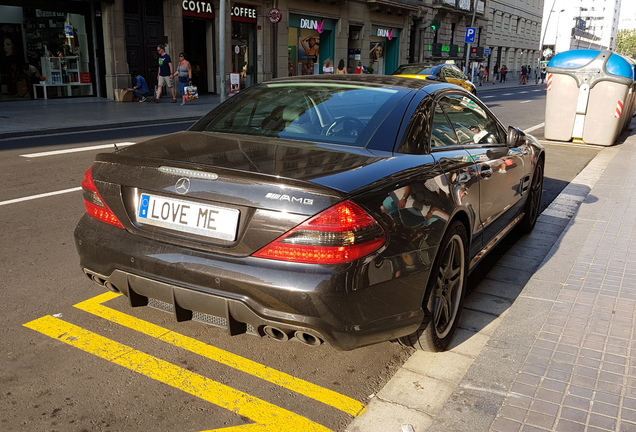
[[516, 137]]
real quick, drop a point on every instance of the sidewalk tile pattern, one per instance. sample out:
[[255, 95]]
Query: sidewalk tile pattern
[[580, 374]]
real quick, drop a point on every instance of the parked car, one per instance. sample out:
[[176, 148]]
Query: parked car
[[445, 72], [341, 208]]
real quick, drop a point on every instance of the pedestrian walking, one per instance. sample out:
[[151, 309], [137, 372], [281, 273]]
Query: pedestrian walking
[[543, 74], [481, 74], [504, 72], [341, 69], [164, 73], [495, 73], [184, 74], [327, 67], [523, 75]]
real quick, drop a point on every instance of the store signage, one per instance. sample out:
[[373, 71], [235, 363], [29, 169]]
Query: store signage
[[447, 48], [387, 33], [275, 15], [311, 24], [243, 11], [201, 9], [197, 6]]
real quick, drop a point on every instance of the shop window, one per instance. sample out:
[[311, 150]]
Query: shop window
[[243, 48], [303, 52], [49, 48]]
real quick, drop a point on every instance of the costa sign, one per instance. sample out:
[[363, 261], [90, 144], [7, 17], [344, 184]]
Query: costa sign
[[197, 8]]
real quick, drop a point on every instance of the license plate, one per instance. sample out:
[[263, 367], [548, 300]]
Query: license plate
[[188, 216]]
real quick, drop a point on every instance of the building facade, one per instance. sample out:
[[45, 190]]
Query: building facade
[[440, 32], [579, 24], [514, 32], [69, 48]]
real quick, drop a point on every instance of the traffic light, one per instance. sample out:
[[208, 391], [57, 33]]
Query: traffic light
[[436, 24]]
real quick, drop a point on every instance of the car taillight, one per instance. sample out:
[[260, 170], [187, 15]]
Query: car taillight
[[95, 205], [339, 234]]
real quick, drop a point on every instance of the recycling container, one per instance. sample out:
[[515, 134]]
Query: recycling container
[[589, 96]]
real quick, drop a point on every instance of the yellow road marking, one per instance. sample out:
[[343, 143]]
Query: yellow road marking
[[290, 382], [572, 144], [269, 417]]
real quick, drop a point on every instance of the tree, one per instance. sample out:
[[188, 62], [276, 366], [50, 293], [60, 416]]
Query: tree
[[626, 43]]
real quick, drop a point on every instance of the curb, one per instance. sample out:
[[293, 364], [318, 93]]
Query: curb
[[94, 127], [445, 391]]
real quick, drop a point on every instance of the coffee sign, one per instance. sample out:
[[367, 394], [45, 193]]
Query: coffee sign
[[243, 11]]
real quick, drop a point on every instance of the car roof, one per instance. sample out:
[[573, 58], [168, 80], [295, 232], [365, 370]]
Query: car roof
[[410, 68], [375, 80]]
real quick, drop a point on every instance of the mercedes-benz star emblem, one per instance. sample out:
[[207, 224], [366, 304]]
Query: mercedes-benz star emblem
[[182, 186]]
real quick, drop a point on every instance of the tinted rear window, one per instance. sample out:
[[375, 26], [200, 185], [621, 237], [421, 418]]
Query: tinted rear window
[[335, 113]]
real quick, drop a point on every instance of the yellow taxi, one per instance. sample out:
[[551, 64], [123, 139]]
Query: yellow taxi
[[445, 72]]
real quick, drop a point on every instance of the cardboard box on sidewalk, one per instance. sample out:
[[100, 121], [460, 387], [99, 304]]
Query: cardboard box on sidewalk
[[124, 95]]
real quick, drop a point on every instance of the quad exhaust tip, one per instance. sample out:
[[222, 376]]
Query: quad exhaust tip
[[101, 281], [308, 338], [276, 333], [272, 332]]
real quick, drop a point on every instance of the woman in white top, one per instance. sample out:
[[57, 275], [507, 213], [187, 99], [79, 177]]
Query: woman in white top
[[327, 67]]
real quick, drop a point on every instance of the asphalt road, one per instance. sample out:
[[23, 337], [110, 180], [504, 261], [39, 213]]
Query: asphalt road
[[88, 363]]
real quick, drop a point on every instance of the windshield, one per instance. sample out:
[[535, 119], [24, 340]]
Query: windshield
[[337, 113]]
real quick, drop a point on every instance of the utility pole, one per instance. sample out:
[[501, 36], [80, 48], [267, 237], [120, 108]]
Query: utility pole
[[223, 92], [472, 24]]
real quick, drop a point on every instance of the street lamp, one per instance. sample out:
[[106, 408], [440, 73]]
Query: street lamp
[[556, 36], [545, 29]]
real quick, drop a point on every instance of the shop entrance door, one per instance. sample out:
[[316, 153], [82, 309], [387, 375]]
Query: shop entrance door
[[194, 37], [144, 31]]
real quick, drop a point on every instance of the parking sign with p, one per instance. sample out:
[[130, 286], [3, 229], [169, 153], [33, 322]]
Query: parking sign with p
[[471, 33]]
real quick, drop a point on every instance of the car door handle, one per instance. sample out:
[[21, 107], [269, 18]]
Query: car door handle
[[485, 171]]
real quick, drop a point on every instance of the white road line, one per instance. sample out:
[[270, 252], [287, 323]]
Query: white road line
[[485, 97], [32, 197], [534, 128], [525, 101], [507, 94], [77, 149]]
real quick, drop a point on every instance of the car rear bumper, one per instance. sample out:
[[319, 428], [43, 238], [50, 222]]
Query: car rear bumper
[[249, 295]]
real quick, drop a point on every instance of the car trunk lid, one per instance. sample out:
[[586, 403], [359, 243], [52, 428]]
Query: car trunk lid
[[213, 191]]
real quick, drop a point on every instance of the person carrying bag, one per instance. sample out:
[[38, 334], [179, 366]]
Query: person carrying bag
[[184, 73]]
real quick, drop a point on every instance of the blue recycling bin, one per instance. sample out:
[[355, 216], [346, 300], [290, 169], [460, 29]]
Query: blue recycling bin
[[590, 96]]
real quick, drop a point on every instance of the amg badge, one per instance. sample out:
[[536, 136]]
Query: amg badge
[[289, 198]]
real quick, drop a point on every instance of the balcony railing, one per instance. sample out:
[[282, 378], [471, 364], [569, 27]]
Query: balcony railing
[[464, 5]]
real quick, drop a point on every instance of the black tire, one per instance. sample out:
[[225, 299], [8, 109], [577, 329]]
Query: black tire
[[533, 202], [447, 286]]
